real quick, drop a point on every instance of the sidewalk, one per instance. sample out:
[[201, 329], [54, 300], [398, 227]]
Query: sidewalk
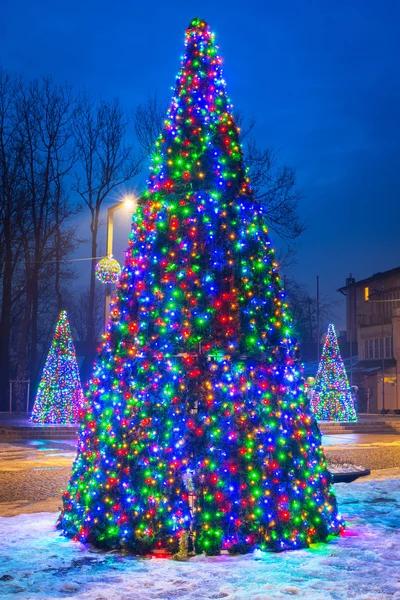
[[15, 427], [372, 451], [341, 440], [32, 472]]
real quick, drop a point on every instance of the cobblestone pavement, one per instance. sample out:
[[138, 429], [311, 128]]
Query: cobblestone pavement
[[33, 473], [373, 451], [373, 458]]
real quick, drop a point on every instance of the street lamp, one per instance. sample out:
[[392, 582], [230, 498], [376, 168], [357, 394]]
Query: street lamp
[[128, 202]]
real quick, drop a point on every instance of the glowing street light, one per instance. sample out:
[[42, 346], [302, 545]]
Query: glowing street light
[[130, 203]]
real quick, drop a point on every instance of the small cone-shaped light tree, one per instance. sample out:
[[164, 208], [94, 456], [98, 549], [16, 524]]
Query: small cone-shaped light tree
[[196, 423], [60, 397], [332, 399]]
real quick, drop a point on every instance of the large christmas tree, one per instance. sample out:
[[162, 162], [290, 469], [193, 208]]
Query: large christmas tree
[[196, 425], [331, 399], [60, 397]]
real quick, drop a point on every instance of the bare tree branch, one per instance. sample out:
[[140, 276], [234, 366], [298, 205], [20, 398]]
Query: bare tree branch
[[105, 161], [148, 121]]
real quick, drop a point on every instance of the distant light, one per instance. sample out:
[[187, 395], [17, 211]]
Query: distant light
[[129, 202]]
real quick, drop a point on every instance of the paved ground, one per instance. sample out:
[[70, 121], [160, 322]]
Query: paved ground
[[373, 451], [20, 419], [32, 473]]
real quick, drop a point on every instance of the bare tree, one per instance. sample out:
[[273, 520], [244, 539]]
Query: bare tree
[[77, 307], [148, 123], [275, 188], [45, 113], [105, 161], [10, 175], [303, 307]]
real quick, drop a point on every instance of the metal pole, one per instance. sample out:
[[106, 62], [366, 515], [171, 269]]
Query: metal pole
[[318, 332], [110, 231], [351, 334], [383, 357], [28, 389], [109, 244], [353, 326], [10, 397]]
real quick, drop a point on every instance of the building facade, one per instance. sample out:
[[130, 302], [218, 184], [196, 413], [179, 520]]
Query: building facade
[[373, 332]]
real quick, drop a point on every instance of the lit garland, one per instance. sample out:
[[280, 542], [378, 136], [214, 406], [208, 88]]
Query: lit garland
[[197, 435], [60, 397], [331, 399], [108, 270]]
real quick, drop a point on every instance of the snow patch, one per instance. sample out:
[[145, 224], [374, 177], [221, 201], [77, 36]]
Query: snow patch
[[37, 563]]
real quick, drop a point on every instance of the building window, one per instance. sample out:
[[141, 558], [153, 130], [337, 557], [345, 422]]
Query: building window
[[391, 301], [378, 348], [371, 348], [366, 293], [388, 347]]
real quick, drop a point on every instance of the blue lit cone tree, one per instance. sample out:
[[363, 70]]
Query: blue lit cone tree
[[59, 397], [332, 399], [196, 425]]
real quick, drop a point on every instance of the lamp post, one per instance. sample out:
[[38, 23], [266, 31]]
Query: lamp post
[[130, 203]]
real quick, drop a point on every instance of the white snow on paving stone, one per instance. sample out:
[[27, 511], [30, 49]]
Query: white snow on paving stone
[[37, 563], [345, 468]]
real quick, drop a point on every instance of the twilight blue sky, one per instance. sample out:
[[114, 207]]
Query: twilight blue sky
[[322, 78]]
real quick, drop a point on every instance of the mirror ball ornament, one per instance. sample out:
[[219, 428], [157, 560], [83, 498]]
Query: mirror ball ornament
[[108, 270]]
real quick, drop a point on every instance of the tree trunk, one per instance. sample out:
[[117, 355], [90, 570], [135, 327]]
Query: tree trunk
[[23, 353], [57, 273], [91, 330], [5, 319], [33, 366]]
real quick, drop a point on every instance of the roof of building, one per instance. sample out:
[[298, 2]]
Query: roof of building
[[376, 365], [378, 275]]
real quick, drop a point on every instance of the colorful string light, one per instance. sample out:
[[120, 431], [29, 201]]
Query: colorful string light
[[197, 436], [332, 399], [60, 397]]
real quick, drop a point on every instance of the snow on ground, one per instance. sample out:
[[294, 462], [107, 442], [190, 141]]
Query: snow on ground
[[37, 563], [345, 468]]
